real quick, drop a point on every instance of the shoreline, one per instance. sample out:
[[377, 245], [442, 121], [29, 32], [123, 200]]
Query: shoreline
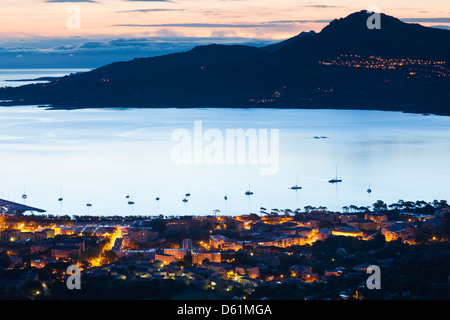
[[49, 107]]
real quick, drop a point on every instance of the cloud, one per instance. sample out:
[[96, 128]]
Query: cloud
[[441, 27], [323, 6], [299, 21], [92, 45], [65, 1], [270, 24], [149, 10], [80, 52], [194, 25], [426, 20], [149, 0]]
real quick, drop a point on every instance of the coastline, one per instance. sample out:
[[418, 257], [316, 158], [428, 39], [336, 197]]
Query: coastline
[[50, 107]]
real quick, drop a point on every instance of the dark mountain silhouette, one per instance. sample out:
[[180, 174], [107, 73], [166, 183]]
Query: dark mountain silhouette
[[401, 67], [277, 46], [351, 36]]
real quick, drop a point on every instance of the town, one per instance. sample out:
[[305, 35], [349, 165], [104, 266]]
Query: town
[[306, 254], [411, 68]]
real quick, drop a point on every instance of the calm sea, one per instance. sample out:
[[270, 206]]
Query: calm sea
[[103, 156]]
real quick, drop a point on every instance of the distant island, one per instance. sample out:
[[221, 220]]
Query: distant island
[[400, 67]]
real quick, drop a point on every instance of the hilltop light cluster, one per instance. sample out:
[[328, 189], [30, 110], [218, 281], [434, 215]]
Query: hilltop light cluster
[[413, 66]]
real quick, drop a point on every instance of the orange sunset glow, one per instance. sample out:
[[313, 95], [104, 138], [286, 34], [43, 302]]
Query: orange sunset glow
[[197, 18]]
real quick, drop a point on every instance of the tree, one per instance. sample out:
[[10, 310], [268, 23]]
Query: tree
[[308, 208], [378, 241], [410, 205], [32, 288], [253, 217], [394, 206], [159, 225], [401, 204], [110, 256], [379, 206], [363, 209], [443, 204], [237, 291]]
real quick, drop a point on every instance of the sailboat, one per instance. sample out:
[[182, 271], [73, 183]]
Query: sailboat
[[130, 200], [335, 180], [296, 187], [61, 197], [248, 192], [24, 196]]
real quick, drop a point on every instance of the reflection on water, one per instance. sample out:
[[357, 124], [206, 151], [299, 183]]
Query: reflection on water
[[101, 156]]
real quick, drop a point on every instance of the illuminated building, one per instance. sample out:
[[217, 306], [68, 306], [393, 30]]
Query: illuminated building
[[187, 244], [347, 231], [67, 231], [138, 235], [66, 252], [165, 258], [77, 242], [401, 230], [363, 224], [377, 217], [197, 258], [40, 263], [296, 240], [39, 247], [10, 235], [323, 234], [252, 272], [146, 254], [345, 218], [178, 253], [275, 219], [223, 243], [307, 276]]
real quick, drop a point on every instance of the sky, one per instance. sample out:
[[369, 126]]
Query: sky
[[36, 27]]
